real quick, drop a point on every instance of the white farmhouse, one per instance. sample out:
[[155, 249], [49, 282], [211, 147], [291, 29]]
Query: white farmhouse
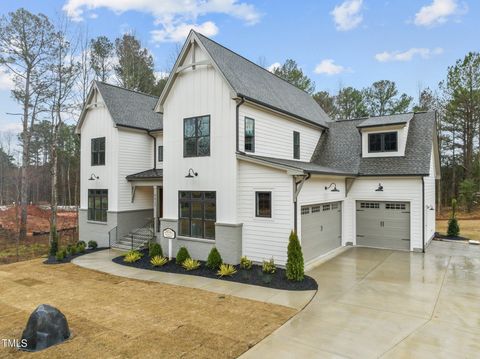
[[233, 156]]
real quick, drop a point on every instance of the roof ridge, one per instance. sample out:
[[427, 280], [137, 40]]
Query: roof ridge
[[250, 61], [124, 88]]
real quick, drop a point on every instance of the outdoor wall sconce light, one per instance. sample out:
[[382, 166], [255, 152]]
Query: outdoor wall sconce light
[[335, 189], [430, 207], [93, 177], [191, 173], [380, 188]]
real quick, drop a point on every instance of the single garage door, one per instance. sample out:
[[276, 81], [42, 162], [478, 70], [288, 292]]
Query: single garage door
[[383, 224], [321, 229]]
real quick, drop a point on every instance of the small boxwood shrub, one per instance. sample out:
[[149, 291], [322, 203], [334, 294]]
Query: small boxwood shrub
[[295, 268], [81, 248], [214, 260], [60, 255], [154, 250], [79, 243], [92, 244], [182, 255]]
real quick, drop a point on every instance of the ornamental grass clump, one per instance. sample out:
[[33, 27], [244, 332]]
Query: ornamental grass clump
[[182, 255], [158, 261], [226, 270], [190, 264], [132, 257], [295, 267], [453, 227], [154, 250], [214, 260]]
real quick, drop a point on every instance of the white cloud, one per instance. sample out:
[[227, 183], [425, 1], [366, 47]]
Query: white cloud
[[178, 32], [13, 127], [347, 15], [6, 80], [408, 55], [328, 67], [176, 17], [161, 74], [274, 66], [438, 12]]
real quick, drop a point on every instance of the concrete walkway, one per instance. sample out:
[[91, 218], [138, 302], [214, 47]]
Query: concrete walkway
[[102, 261], [374, 303]]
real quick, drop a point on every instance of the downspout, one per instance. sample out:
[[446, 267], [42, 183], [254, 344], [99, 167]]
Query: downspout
[[154, 150], [297, 189], [423, 214], [237, 131]]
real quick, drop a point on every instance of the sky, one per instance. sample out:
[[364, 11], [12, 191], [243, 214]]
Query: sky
[[337, 43]]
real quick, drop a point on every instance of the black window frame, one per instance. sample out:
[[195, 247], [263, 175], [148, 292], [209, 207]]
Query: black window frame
[[187, 197], [93, 210], [296, 146], [160, 153], [252, 149], [257, 204], [382, 136], [196, 136], [98, 154]]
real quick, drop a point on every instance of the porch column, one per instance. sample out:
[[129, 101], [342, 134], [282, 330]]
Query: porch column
[[155, 209]]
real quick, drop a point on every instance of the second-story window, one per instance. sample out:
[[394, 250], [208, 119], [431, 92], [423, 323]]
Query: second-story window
[[249, 134], [196, 136], [383, 142], [296, 145], [98, 151], [160, 153]]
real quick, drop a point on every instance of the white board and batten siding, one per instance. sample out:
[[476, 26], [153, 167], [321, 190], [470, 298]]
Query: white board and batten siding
[[135, 152], [264, 238], [274, 134], [399, 189], [98, 123], [430, 201], [201, 92]]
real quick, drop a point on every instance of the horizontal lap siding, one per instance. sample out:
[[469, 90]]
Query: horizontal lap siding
[[135, 154], [264, 238], [394, 189], [274, 134]]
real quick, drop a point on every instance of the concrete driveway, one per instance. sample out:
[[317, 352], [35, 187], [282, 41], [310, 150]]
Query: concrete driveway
[[375, 303]]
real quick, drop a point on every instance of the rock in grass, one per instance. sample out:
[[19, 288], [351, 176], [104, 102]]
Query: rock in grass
[[46, 326]]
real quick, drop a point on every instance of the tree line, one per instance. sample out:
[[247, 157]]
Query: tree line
[[52, 64]]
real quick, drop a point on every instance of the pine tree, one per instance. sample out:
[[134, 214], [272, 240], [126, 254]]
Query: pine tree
[[295, 268]]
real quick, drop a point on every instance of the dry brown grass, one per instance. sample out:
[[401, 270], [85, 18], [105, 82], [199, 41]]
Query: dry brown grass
[[114, 317], [469, 228]]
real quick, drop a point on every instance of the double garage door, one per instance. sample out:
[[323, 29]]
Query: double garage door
[[383, 224], [321, 229]]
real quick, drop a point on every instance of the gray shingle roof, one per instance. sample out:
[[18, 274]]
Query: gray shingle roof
[[130, 108], [340, 147], [386, 120], [259, 85], [306, 167], [154, 173]]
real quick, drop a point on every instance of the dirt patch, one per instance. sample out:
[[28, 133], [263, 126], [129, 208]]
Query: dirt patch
[[128, 318], [469, 228]]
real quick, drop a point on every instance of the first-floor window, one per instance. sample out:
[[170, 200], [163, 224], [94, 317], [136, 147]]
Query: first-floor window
[[197, 214], [263, 204], [97, 205]]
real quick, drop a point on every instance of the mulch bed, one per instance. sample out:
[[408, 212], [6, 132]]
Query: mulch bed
[[253, 276], [451, 238], [53, 260]]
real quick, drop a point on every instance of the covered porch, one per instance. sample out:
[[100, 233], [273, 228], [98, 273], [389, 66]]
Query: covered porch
[[153, 179]]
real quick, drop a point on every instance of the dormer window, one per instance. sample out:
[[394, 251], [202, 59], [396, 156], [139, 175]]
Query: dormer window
[[383, 142]]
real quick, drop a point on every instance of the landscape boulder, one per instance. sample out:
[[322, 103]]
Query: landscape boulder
[[46, 326]]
